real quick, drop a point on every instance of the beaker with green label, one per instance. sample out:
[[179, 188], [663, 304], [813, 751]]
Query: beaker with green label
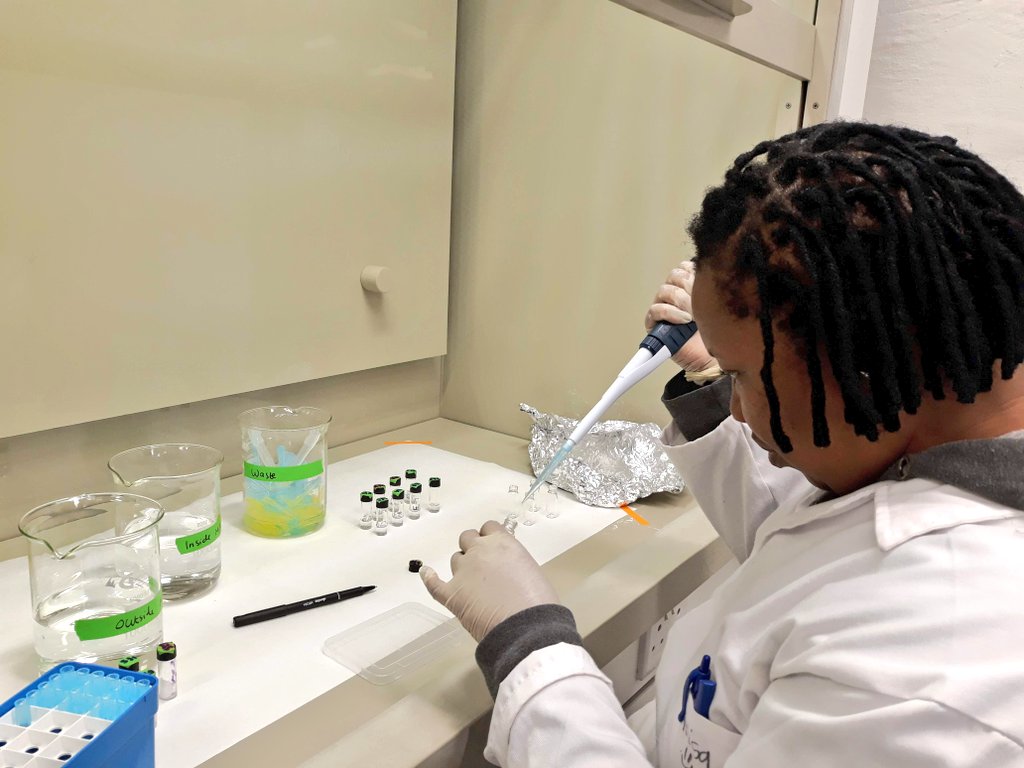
[[94, 574], [185, 479], [285, 456]]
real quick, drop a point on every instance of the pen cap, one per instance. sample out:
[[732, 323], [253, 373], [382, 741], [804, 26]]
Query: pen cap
[[410, 474], [435, 482], [365, 496], [415, 488], [166, 652], [398, 494], [382, 502]]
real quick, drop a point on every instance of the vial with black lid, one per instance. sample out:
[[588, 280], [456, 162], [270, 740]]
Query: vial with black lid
[[412, 504], [366, 513], [397, 507], [167, 670], [434, 494], [381, 524]]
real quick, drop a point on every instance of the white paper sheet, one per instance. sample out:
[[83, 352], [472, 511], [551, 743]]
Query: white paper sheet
[[232, 682]]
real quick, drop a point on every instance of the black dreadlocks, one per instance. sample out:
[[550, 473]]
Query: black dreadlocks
[[898, 253]]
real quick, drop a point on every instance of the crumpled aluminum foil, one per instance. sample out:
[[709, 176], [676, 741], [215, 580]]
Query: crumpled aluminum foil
[[617, 463]]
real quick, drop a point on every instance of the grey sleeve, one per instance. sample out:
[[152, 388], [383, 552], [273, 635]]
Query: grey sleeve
[[697, 410], [520, 635]]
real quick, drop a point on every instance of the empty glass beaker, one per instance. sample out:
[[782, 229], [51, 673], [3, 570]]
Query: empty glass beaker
[[94, 574], [285, 454], [185, 479]]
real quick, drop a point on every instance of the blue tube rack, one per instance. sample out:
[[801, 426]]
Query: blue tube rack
[[81, 715]]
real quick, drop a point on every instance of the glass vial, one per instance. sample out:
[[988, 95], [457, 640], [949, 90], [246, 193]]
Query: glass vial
[[380, 525], [512, 516], [532, 511], [167, 670], [366, 513], [434, 494], [415, 489], [551, 501], [397, 507]]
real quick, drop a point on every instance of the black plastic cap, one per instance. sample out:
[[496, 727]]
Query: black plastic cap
[[166, 652], [382, 502], [396, 480], [366, 496], [380, 489], [435, 482], [416, 488], [398, 493], [415, 565], [410, 474]]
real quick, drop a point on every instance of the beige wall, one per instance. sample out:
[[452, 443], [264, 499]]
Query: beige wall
[[953, 68], [38, 467], [585, 136], [190, 191]]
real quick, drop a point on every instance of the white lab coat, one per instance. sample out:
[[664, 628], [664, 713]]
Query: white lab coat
[[881, 628]]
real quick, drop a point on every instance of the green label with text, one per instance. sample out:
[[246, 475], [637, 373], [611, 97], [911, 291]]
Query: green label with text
[[196, 541], [111, 626], [283, 474]]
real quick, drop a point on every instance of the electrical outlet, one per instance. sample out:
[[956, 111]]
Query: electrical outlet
[[652, 644]]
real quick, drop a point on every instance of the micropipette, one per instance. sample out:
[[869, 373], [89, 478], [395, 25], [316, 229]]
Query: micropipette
[[664, 340]]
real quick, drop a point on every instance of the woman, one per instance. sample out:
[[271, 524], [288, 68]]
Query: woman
[[860, 287]]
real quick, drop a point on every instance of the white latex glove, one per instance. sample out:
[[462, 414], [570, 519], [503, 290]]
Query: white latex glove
[[672, 304], [493, 577]]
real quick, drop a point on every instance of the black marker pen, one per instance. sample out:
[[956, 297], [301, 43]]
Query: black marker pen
[[303, 605]]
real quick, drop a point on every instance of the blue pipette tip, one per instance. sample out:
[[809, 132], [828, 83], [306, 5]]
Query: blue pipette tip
[[557, 459]]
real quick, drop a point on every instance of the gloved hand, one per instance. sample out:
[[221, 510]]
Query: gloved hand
[[672, 304], [493, 577]]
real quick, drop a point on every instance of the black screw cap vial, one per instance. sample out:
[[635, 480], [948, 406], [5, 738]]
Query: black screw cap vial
[[415, 565], [435, 482], [380, 489], [382, 502], [396, 480]]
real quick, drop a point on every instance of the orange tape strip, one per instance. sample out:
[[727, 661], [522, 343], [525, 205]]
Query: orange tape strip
[[411, 442], [629, 511]]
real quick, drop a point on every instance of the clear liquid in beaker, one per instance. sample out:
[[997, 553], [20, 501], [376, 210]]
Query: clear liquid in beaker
[[95, 596], [185, 479], [95, 578], [194, 572]]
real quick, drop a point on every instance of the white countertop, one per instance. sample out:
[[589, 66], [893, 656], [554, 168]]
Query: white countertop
[[616, 575]]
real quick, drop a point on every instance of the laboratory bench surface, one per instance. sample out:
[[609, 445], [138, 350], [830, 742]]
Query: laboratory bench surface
[[617, 583]]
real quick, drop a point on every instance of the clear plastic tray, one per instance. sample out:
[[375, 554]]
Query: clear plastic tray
[[386, 647]]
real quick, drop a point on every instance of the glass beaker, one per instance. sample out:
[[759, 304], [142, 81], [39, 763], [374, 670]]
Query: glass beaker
[[185, 479], [94, 574], [285, 455]]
